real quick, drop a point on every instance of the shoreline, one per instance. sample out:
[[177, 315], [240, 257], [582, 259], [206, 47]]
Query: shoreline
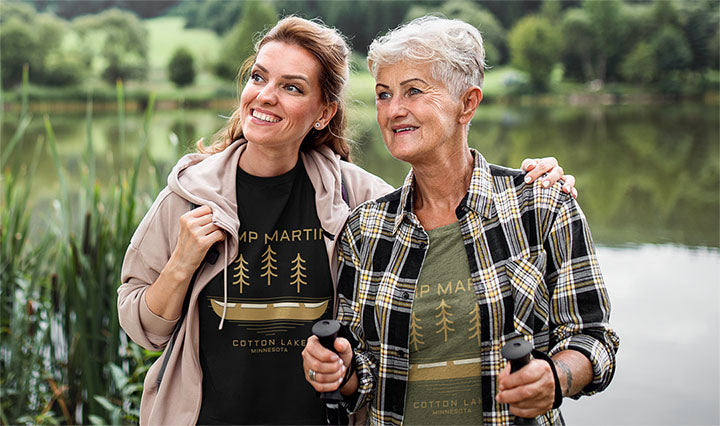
[[138, 102]]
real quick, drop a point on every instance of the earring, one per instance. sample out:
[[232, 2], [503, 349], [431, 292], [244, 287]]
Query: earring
[[317, 125]]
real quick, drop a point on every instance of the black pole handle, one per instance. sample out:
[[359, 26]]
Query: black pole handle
[[517, 351], [326, 332]]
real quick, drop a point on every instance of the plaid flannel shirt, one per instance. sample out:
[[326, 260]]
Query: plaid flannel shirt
[[533, 267]]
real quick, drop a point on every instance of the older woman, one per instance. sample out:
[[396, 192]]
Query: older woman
[[435, 277]]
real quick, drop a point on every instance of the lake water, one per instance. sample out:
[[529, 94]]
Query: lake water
[[649, 182], [665, 308]]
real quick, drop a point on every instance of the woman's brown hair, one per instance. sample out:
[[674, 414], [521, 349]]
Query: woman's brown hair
[[331, 50]]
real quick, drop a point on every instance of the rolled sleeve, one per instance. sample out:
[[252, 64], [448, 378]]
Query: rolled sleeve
[[366, 384], [601, 356], [155, 326], [144, 327]]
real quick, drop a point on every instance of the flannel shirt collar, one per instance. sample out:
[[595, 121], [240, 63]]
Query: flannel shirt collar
[[478, 197]]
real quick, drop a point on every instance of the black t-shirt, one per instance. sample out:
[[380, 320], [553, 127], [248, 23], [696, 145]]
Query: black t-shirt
[[278, 286]]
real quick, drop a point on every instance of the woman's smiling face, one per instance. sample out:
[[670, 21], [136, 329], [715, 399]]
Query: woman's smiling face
[[282, 99], [417, 115]]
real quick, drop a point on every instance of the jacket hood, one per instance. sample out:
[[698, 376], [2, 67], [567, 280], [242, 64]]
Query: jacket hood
[[205, 179], [323, 168]]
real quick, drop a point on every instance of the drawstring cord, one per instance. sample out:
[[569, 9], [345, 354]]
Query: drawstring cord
[[225, 301]]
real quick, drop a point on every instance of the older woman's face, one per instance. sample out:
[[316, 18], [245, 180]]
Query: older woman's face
[[418, 117]]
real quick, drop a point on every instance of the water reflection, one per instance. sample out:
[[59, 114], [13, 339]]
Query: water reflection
[[646, 174], [665, 309]]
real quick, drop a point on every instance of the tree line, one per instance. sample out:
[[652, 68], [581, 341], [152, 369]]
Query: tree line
[[665, 45]]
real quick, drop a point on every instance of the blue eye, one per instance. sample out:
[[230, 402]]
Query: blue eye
[[293, 88], [383, 96], [414, 91], [255, 77]]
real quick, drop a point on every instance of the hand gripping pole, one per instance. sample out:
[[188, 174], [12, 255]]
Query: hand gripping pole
[[517, 351], [326, 332]]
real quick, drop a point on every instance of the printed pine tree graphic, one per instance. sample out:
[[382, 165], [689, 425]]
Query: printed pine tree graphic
[[241, 276], [444, 318], [475, 320], [298, 274], [415, 328], [269, 265]]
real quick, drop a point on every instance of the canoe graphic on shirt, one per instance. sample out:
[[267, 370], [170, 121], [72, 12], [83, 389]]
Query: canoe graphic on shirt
[[269, 311], [457, 369]]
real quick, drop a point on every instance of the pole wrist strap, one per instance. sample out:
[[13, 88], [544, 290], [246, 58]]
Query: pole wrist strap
[[558, 391], [350, 371]]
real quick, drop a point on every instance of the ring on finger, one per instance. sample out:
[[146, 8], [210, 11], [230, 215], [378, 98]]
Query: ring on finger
[[311, 374]]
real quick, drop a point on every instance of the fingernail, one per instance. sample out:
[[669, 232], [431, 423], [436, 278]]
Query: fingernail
[[527, 178], [546, 183], [574, 192], [566, 188], [342, 368]]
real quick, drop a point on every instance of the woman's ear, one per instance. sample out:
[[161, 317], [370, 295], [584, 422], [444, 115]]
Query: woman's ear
[[470, 101], [328, 112]]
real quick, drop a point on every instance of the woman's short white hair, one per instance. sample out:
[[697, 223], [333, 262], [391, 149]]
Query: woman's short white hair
[[453, 47]]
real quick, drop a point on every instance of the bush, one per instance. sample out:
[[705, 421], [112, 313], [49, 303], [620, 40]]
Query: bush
[[63, 70], [19, 46], [684, 83], [181, 68], [639, 66], [671, 49], [36, 40], [535, 48], [117, 43]]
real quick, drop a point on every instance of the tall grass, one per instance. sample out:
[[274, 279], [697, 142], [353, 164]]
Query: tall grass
[[26, 391], [63, 356]]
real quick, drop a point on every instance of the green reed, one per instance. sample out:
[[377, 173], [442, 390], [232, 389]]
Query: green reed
[[63, 357], [27, 392]]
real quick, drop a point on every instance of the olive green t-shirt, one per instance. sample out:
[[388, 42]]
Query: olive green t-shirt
[[444, 376]]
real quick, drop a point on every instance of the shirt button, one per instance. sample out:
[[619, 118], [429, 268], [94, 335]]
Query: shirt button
[[405, 295], [401, 352]]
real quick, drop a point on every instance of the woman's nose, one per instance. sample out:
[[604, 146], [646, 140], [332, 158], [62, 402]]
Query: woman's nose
[[397, 108], [267, 94]]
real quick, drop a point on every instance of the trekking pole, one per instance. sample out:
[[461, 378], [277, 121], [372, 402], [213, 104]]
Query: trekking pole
[[517, 351], [326, 332]]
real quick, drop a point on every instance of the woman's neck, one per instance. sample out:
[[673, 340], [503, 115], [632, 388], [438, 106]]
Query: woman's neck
[[267, 162], [439, 188]]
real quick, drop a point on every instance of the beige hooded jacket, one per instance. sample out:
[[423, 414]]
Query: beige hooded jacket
[[210, 180]]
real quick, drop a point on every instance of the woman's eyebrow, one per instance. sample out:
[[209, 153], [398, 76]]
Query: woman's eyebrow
[[296, 77], [286, 76], [410, 80]]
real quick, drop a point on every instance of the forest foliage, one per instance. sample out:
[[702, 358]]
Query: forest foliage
[[653, 44]]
